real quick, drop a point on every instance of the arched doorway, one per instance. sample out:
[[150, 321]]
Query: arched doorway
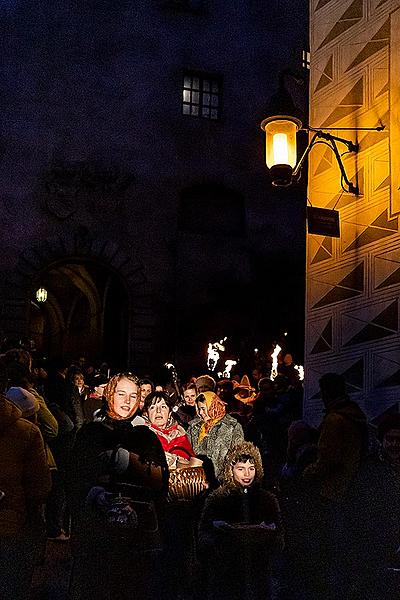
[[85, 313], [98, 300]]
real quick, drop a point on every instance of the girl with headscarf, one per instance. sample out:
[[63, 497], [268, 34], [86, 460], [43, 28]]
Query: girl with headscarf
[[116, 452], [213, 432]]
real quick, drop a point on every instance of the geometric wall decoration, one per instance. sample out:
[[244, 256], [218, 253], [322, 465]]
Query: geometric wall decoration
[[381, 175], [384, 89], [323, 250], [350, 286], [353, 283], [394, 118], [325, 163], [327, 75], [382, 226], [354, 376], [384, 184], [350, 17], [375, 137], [368, 325], [341, 200], [322, 3], [387, 269], [352, 371], [324, 341], [379, 41], [386, 368], [353, 100]]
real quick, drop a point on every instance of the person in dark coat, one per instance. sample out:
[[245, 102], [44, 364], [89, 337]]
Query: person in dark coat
[[374, 529], [115, 454], [240, 529], [186, 412], [342, 444]]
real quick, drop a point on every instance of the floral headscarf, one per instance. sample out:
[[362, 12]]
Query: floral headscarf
[[216, 410]]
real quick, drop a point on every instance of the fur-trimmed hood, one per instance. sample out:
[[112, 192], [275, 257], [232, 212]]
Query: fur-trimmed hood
[[232, 457]]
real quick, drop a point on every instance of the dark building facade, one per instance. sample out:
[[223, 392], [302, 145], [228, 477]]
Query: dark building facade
[[133, 181]]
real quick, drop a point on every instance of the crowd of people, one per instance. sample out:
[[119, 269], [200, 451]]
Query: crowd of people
[[209, 488]]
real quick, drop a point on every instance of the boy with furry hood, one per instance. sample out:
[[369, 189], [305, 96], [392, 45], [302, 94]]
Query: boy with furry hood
[[240, 529]]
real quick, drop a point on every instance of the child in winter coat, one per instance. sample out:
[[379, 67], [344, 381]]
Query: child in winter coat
[[240, 529]]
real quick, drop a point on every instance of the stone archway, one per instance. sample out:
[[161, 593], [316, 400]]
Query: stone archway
[[69, 256]]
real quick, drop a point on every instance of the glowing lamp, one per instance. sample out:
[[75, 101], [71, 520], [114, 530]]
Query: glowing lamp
[[280, 147], [41, 294]]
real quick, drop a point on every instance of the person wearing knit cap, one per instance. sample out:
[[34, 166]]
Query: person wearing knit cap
[[205, 383], [213, 432], [116, 451]]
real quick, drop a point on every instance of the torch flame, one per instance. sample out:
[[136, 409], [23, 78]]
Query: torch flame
[[213, 353], [228, 367], [300, 369], [274, 367]]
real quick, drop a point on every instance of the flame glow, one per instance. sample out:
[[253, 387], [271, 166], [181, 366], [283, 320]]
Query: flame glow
[[280, 149], [274, 367], [300, 369], [228, 367], [213, 353]]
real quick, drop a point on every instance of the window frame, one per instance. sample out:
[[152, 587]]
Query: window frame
[[200, 93]]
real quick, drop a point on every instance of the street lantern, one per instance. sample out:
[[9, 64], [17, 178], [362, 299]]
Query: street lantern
[[41, 294], [281, 152], [280, 147]]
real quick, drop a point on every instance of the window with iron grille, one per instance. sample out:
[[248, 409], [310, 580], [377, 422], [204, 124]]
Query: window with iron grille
[[201, 95]]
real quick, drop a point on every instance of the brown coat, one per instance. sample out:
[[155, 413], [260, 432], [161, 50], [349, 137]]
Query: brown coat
[[24, 472]]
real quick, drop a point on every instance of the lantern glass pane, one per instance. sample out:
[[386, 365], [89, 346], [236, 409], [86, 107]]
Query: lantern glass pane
[[280, 140]]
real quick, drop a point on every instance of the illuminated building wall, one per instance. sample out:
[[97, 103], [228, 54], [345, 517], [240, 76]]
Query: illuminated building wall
[[353, 282]]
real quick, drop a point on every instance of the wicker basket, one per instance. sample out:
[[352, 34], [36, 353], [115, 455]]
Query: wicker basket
[[186, 484]]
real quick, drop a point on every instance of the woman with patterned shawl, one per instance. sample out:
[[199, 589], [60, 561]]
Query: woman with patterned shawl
[[213, 432]]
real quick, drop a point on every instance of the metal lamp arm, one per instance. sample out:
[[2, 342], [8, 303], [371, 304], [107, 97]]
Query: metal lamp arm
[[297, 170], [331, 139]]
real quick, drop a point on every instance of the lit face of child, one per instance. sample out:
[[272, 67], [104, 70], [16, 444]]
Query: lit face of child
[[244, 473], [158, 413], [190, 397], [126, 398], [78, 380]]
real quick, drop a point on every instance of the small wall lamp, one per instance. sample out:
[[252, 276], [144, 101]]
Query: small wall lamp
[[281, 151], [41, 294]]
